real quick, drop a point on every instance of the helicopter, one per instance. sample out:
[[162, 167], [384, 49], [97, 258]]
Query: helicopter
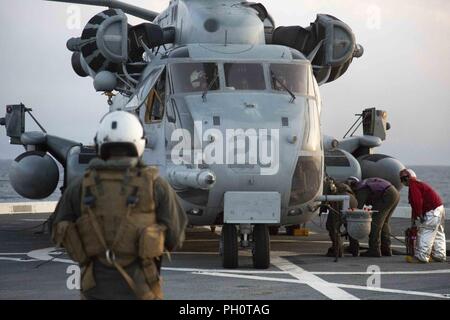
[[231, 109]]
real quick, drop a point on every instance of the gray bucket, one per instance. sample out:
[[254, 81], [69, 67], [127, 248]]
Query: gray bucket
[[358, 223]]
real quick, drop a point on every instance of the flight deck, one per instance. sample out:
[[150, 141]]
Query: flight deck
[[31, 268]]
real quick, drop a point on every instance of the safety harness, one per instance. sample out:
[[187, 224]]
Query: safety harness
[[118, 227]]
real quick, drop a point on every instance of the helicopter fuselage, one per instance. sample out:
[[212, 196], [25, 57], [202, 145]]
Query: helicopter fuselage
[[255, 124]]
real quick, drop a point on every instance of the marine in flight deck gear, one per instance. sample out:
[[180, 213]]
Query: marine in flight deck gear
[[334, 219], [119, 218]]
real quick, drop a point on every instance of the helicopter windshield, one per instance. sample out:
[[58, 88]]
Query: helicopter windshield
[[291, 76], [244, 76], [194, 77]]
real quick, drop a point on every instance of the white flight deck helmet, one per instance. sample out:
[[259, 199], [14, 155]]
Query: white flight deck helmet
[[120, 128], [352, 181], [408, 173]]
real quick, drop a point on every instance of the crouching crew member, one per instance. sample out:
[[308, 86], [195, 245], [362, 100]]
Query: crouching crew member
[[118, 219], [428, 211], [384, 198]]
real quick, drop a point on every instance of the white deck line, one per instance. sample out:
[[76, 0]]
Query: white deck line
[[330, 290], [340, 285]]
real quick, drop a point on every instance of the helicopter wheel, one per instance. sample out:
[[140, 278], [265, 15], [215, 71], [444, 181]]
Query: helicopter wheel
[[229, 248], [261, 248]]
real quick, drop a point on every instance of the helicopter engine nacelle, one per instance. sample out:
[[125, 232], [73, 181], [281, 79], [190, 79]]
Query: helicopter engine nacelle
[[34, 175], [108, 42], [381, 166], [328, 43], [104, 41], [79, 66]]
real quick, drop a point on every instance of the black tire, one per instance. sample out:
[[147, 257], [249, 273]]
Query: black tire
[[230, 246], [261, 248]]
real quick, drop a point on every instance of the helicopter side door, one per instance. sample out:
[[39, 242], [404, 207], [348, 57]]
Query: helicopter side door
[[152, 114]]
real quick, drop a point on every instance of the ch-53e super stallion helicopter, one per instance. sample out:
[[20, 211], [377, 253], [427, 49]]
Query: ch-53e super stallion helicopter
[[231, 109]]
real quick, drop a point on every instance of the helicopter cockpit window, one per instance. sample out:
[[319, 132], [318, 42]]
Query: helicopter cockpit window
[[244, 76], [307, 179], [312, 132], [195, 77], [155, 103], [291, 76]]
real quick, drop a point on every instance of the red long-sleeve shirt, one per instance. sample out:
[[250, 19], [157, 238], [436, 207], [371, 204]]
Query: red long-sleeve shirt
[[422, 198]]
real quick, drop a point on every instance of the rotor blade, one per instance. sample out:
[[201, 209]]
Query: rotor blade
[[127, 8]]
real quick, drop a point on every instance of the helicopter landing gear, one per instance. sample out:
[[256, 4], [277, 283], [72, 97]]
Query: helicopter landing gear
[[261, 247], [254, 237], [229, 246]]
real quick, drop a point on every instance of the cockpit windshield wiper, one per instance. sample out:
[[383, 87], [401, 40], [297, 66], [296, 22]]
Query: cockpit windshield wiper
[[274, 77], [215, 78]]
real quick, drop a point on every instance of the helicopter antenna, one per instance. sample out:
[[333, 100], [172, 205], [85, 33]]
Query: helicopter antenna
[[359, 121], [28, 110], [125, 7]]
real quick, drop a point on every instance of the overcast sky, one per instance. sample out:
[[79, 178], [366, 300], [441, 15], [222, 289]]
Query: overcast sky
[[405, 69]]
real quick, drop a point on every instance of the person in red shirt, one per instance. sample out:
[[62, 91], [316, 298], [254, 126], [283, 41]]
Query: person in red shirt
[[428, 209]]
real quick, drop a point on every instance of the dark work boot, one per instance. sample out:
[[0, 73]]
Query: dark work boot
[[336, 244], [332, 252], [371, 253], [386, 251], [354, 247]]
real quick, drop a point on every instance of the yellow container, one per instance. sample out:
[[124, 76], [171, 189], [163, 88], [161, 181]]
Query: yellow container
[[301, 232]]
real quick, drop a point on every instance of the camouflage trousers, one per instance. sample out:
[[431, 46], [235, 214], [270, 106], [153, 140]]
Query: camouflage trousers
[[380, 231], [333, 225]]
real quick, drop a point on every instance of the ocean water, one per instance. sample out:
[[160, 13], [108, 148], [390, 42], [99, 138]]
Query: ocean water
[[437, 176]]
